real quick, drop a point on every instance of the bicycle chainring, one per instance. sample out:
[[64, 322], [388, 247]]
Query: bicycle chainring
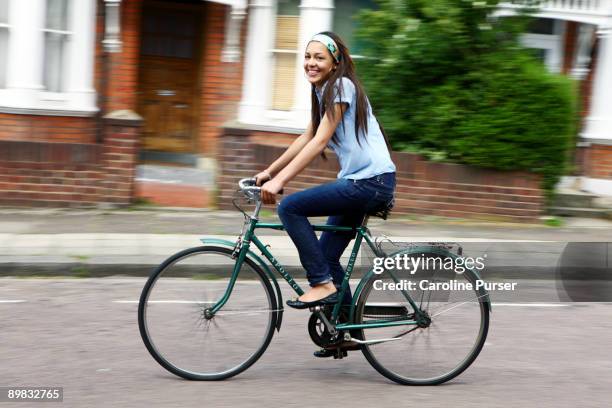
[[319, 333]]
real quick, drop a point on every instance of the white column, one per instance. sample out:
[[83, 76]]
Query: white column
[[599, 122], [81, 56], [554, 57], [233, 24], [25, 53], [315, 16], [257, 78], [583, 51]]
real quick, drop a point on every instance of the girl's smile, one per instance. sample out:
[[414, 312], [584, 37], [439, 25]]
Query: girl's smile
[[318, 63]]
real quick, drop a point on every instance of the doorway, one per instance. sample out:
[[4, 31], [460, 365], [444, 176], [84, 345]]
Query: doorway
[[169, 91]]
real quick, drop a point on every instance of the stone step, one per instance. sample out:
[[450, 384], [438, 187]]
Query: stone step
[[174, 186], [576, 199], [174, 195], [176, 175], [589, 212]]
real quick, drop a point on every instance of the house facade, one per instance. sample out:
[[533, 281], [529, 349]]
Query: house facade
[[575, 38], [177, 71]]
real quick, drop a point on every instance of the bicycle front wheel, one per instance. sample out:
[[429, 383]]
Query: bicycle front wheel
[[446, 342], [176, 325]]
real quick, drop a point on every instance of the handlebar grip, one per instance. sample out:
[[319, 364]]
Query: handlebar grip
[[249, 183]]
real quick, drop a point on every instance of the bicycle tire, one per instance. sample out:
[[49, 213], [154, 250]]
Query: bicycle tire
[[399, 360], [165, 323]]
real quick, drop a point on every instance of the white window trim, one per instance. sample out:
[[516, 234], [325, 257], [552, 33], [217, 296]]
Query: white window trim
[[50, 30], [8, 29], [53, 96], [291, 119], [65, 64], [254, 110], [551, 43], [25, 95]]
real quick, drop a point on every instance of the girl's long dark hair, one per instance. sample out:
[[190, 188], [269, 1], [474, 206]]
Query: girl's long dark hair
[[344, 68]]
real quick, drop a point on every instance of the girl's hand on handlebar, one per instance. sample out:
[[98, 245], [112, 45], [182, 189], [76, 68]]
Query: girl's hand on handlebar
[[270, 190], [262, 177]]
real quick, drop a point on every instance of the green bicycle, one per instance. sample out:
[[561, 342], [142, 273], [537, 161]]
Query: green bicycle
[[209, 312]]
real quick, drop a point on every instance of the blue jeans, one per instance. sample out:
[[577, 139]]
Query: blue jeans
[[346, 202]]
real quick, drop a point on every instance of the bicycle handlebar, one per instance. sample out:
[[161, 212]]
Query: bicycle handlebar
[[247, 185]]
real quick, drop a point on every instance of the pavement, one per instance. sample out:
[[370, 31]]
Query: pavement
[[81, 334], [90, 243]]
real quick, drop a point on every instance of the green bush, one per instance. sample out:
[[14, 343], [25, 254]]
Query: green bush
[[448, 79]]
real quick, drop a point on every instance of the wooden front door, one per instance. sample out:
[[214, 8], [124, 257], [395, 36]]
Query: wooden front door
[[168, 89]]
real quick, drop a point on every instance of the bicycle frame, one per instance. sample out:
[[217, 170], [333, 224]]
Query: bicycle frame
[[362, 234]]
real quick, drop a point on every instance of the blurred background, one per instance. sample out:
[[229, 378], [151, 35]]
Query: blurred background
[[495, 110]]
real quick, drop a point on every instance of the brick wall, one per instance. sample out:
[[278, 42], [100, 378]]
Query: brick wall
[[598, 161], [221, 81], [450, 190], [569, 46], [47, 128], [122, 85], [58, 174], [123, 66]]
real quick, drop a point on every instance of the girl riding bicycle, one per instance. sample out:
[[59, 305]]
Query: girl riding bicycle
[[341, 119]]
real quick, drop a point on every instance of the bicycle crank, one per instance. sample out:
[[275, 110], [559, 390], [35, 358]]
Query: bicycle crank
[[347, 337]]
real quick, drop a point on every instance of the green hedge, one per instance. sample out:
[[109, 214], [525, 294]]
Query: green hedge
[[446, 79]]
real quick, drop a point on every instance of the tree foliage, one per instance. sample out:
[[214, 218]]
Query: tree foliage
[[445, 76]]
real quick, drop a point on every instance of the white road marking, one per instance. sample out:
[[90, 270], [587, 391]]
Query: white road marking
[[13, 301], [531, 304], [164, 301], [376, 304]]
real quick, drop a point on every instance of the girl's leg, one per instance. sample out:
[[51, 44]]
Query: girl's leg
[[339, 197], [334, 243]]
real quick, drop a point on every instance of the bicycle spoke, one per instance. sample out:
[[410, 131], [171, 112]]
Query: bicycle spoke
[[187, 343], [223, 312], [439, 349], [463, 302]]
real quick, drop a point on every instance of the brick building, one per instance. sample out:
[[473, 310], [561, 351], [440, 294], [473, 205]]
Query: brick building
[[575, 38], [90, 88]]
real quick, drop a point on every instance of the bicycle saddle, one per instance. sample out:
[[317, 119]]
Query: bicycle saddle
[[383, 211]]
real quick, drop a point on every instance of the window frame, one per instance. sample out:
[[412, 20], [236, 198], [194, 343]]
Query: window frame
[[67, 33], [5, 26], [77, 96]]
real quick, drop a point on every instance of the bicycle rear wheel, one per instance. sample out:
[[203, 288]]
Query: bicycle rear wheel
[[431, 353], [179, 332]]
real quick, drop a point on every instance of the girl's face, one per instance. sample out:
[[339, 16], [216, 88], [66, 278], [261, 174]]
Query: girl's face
[[318, 63]]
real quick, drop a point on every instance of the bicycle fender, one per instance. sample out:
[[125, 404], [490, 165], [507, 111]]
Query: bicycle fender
[[431, 249], [279, 297]]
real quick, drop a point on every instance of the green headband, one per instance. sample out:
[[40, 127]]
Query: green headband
[[329, 43]]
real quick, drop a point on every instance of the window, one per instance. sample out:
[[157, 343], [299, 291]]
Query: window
[[545, 36], [50, 65], [344, 20], [542, 26], [4, 34], [57, 35], [169, 34], [285, 54]]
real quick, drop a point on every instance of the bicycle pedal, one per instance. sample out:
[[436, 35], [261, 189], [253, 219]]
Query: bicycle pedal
[[339, 354]]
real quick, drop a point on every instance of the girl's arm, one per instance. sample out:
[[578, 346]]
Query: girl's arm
[[307, 154], [280, 163]]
